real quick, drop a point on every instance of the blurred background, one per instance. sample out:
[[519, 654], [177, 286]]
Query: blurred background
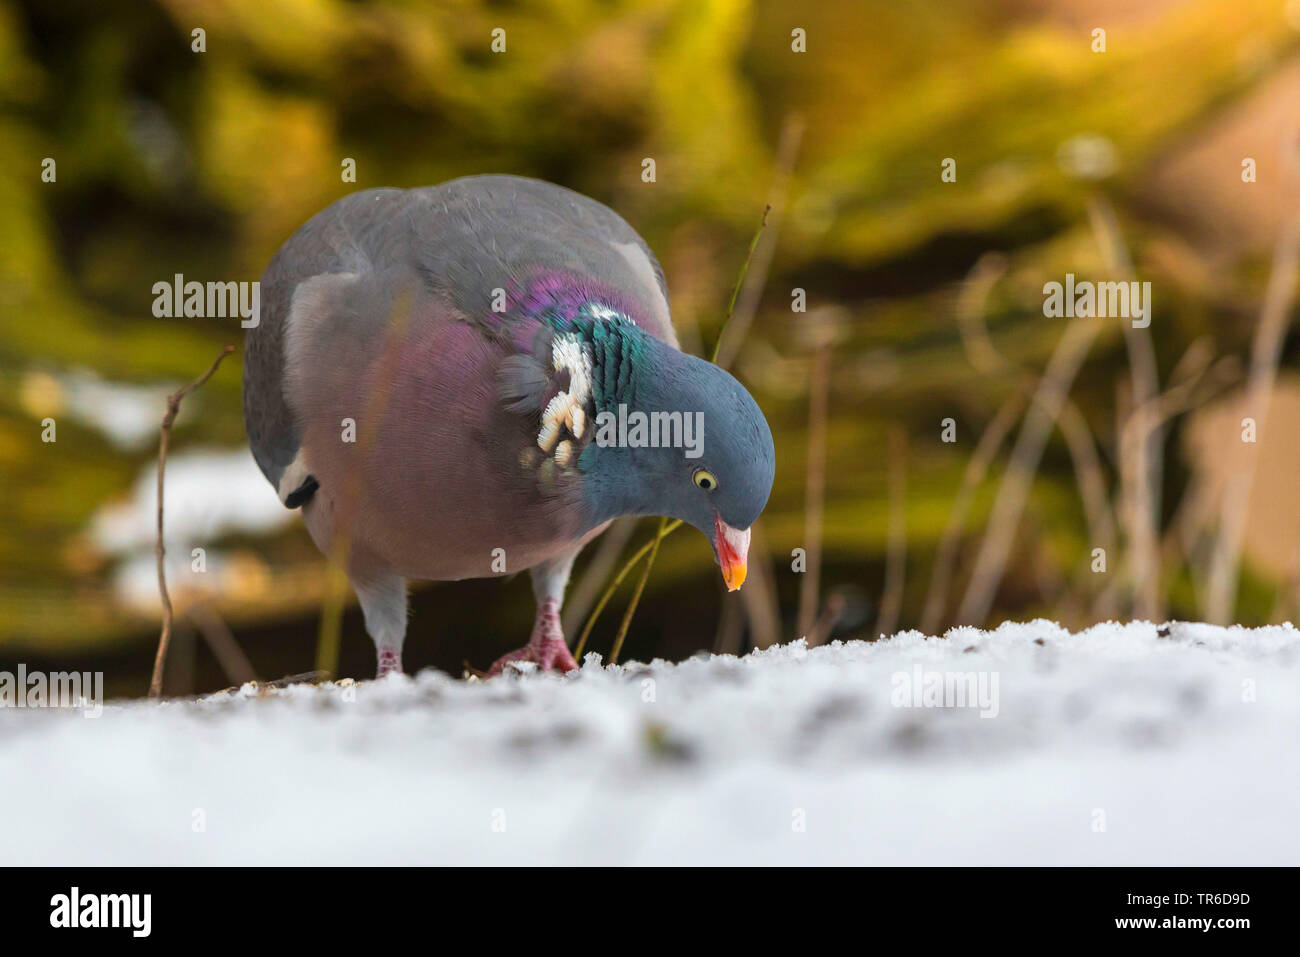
[[946, 453]]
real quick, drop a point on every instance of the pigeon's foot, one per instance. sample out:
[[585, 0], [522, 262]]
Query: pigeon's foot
[[550, 654], [389, 662], [546, 646]]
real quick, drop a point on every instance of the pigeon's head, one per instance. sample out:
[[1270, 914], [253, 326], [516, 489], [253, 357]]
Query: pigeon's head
[[690, 443]]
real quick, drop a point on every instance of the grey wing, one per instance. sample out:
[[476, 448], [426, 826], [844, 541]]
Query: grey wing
[[345, 239], [478, 233]]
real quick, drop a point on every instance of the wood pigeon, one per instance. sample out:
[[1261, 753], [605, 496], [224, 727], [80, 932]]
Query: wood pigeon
[[471, 379]]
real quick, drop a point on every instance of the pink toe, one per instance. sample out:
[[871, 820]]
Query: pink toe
[[389, 662]]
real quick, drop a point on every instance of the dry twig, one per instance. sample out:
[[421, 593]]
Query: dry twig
[[891, 602], [173, 407], [1266, 353], [815, 485]]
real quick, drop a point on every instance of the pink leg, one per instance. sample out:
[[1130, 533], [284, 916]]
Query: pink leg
[[545, 646], [389, 662]]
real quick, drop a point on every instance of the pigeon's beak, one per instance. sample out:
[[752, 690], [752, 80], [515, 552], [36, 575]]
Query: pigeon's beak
[[733, 552]]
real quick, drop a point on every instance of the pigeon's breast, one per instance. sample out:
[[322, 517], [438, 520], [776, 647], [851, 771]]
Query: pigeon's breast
[[417, 443]]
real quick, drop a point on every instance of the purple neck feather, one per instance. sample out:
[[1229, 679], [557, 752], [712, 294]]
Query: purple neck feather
[[561, 294]]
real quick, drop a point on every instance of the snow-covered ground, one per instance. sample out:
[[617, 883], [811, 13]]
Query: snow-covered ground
[[1117, 745]]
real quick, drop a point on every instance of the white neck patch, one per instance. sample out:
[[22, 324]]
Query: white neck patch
[[565, 415], [566, 412], [568, 352]]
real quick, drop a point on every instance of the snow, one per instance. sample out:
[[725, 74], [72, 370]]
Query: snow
[[209, 493], [1112, 746]]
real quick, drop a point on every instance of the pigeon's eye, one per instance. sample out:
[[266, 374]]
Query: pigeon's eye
[[705, 480]]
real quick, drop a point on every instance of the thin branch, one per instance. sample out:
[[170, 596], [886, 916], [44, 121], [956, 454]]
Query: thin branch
[[1091, 477], [971, 305], [173, 407], [762, 606], [1142, 467], [631, 563], [787, 153], [636, 595], [985, 357], [583, 595], [740, 281], [731, 629], [1013, 493], [1266, 353], [221, 641], [986, 449], [891, 602], [815, 486], [1288, 591], [826, 621]]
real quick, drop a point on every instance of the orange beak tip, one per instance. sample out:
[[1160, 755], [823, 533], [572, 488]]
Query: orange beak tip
[[734, 576]]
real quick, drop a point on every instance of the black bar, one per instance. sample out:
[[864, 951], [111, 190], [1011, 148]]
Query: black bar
[[372, 904]]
